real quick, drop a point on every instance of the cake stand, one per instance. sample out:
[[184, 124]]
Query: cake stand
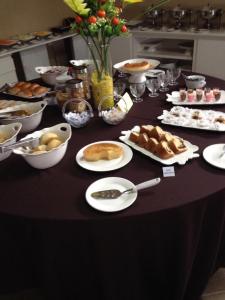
[[136, 77]]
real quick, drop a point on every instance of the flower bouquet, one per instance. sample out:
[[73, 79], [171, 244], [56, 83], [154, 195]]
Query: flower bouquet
[[98, 22]]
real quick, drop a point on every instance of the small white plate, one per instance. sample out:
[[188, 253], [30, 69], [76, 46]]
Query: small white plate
[[112, 205], [154, 72], [105, 165], [153, 64], [212, 154]]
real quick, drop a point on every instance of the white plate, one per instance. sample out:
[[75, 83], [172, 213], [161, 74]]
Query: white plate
[[112, 205], [153, 64], [154, 72], [181, 158], [184, 118], [105, 165], [176, 101], [212, 154]]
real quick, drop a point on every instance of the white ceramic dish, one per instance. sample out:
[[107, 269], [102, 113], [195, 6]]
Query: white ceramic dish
[[153, 64], [176, 100], [30, 122], [33, 97], [183, 117], [105, 165], [11, 131], [49, 74], [52, 157], [112, 205], [181, 158], [195, 81], [213, 155]]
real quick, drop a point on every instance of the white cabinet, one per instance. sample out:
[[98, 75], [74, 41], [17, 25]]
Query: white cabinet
[[210, 57], [7, 70]]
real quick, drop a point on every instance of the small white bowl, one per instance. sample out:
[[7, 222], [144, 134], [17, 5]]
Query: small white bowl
[[50, 158], [49, 74], [30, 122], [195, 81], [11, 131]]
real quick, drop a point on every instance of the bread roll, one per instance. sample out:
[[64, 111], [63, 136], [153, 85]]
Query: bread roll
[[39, 149], [34, 86], [14, 90], [47, 137], [20, 83], [25, 93], [26, 85], [54, 143], [106, 151], [39, 91]]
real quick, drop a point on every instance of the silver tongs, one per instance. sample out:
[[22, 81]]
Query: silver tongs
[[29, 142]]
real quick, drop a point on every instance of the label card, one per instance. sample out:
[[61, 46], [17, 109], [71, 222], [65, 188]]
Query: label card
[[125, 103], [168, 171]]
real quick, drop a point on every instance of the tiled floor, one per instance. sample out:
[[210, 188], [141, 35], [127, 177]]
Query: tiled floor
[[214, 291]]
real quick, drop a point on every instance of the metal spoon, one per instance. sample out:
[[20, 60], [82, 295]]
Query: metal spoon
[[113, 193]]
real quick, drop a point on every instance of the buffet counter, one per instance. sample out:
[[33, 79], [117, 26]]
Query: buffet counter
[[164, 246]]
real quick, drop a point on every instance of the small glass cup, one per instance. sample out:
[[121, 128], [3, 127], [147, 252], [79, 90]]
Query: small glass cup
[[208, 94], [217, 93], [175, 74], [119, 87], [164, 79], [199, 94], [153, 85], [137, 90], [190, 95], [183, 94]]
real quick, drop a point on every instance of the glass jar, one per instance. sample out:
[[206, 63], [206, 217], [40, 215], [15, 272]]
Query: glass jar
[[80, 72], [75, 88], [61, 95]]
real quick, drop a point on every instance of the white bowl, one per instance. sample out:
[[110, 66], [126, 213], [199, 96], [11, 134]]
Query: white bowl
[[50, 158], [30, 122], [195, 81], [49, 74], [11, 131]]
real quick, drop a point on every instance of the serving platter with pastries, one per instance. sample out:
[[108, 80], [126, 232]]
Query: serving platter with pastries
[[194, 118], [104, 156], [26, 90], [159, 145]]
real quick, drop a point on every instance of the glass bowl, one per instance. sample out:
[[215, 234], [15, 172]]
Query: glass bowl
[[77, 112], [114, 114]]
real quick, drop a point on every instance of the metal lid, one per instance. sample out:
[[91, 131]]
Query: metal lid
[[74, 83]]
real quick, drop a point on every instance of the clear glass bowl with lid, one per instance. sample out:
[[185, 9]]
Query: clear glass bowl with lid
[[77, 112], [115, 114]]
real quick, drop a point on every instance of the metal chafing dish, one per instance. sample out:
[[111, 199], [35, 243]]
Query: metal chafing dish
[[178, 14]]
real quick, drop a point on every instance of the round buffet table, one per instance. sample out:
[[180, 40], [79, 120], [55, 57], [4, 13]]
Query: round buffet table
[[165, 246]]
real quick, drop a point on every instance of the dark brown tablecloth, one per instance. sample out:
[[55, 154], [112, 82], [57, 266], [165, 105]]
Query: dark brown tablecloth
[[165, 246]]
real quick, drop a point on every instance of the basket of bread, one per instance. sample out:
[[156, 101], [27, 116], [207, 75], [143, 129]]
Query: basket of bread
[[50, 149], [159, 145]]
